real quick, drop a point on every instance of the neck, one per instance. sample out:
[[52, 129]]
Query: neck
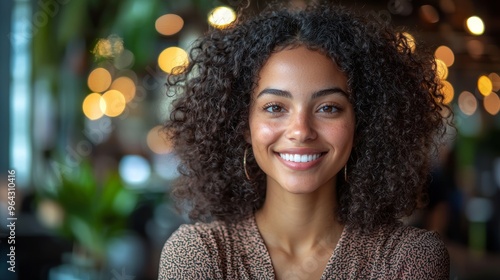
[[299, 222]]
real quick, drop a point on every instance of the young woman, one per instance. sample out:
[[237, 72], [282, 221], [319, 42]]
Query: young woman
[[304, 135]]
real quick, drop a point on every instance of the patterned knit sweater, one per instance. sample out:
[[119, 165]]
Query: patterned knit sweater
[[237, 251]]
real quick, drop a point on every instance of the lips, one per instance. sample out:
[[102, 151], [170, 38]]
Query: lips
[[299, 157]]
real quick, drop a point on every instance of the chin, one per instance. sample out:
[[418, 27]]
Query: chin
[[301, 188]]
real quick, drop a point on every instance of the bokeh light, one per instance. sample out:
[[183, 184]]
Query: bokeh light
[[126, 86], [475, 48], [445, 54], [492, 103], [92, 106], [410, 40], [134, 169], [99, 80], [113, 103], [429, 14], [165, 165], [484, 85], [479, 209], [441, 69], [128, 73], [157, 141], [475, 25], [495, 80], [448, 92], [467, 103], [109, 47], [221, 17], [124, 60], [169, 24], [172, 57], [50, 213]]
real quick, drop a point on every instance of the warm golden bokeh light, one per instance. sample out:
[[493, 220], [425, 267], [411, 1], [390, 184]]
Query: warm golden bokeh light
[[448, 92], [92, 106], [50, 213], [113, 103], [410, 40], [157, 140], [172, 57], [169, 24], [445, 54], [99, 80], [475, 25], [103, 48], [467, 103], [109, 47], [495, 80], [429, 14], [484, 85], [221, 17], [126, 86], [492, 103], [441, 70]]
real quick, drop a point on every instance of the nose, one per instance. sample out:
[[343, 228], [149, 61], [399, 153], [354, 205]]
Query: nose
[[300, 128]]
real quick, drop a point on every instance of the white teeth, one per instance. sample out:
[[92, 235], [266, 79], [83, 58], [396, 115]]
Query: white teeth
[[299, 158]]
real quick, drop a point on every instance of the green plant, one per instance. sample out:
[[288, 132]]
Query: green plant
[[93, 213]]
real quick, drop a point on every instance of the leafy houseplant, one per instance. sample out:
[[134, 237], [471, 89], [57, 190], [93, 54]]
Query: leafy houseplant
[[93, 213]]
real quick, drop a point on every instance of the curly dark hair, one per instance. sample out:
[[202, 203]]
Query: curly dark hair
[[395, 94]]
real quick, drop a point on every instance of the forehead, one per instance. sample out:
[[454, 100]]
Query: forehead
[[300, 68]]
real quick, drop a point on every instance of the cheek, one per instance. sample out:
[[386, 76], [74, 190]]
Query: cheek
[[341, 135], [263, 133], [347, 129]]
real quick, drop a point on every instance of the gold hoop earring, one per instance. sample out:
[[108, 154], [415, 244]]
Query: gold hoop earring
[[345, 172], [245, 163]]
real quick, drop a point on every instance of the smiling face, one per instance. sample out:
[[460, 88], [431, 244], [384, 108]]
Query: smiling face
[[301, 121]]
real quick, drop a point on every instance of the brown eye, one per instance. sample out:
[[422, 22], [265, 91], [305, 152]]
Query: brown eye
[[274, 109], [328, 109]]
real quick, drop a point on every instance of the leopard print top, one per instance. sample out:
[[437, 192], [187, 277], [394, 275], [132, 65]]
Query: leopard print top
[[237, 251]]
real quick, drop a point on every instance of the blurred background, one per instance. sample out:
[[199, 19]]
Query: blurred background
[[83, 96]]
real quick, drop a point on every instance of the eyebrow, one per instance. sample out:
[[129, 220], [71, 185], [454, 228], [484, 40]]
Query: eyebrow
[[287, 94]]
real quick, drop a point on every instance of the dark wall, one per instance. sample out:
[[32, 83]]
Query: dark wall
[[5, 29]]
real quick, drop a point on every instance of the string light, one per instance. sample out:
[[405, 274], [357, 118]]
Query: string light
[[448, 92], [445, 54], [475, 25], [467, 103], [113, 103], [221, 16], [91, 106], [442, 69], [492, 103], [172, 57], [99, 80], [126, 86], [169, 24], [484, 85]]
